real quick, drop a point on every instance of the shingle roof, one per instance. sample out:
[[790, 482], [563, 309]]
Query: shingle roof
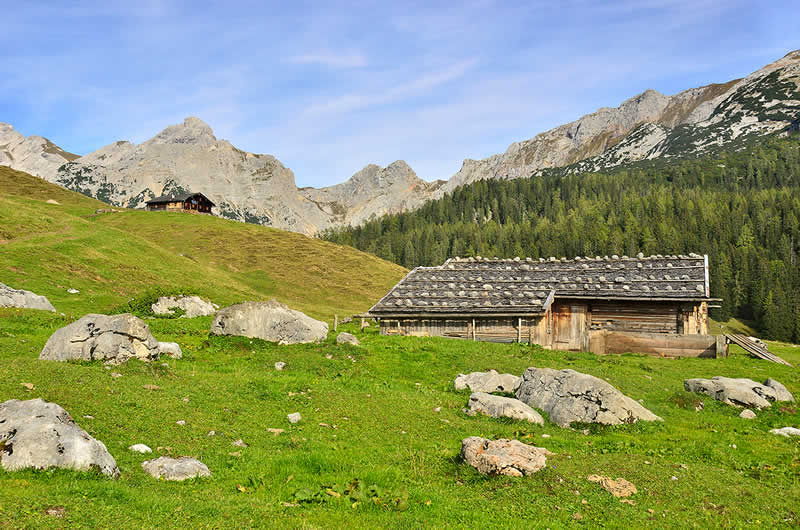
[[177, 197], [528, 286]]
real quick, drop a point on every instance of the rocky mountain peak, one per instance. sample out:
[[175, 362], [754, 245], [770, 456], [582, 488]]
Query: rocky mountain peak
[[192, 131]]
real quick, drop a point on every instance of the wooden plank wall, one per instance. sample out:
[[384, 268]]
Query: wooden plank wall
[[483, 329], [661, 344], [638, 316]]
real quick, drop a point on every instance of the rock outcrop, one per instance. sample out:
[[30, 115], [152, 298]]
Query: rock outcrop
[[788, 432], [24, 299], [192, 306], [41, 435], [111, 338], [34, 154], [178, 469], [503, 457], [570, 396], [170, 349], [740, 392], [488, 382], [502, 407], [272, 321]]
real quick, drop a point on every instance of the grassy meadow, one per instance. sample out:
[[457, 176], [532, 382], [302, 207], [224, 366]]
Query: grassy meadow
[[379, 442]]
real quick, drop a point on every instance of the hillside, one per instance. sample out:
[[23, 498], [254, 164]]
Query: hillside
[[742, 208], [112, 257], [258, 188]]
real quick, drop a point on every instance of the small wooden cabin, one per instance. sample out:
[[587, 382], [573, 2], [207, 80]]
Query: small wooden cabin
[[657, 304], [184, 202]]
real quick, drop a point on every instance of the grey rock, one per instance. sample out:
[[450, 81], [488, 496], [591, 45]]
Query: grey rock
[[41, 435], [294, 417], [171, 349], [113, 338], [24, 299], [570, 396], [503, 457], [272, 321], [240, 443], [176, 468], [781, 394], [502, 407], [347, 338], [73, 291], [488, 382], [747, 414], [193, 306], [280, 365], [140, 448], [737, 392], [786, 431]]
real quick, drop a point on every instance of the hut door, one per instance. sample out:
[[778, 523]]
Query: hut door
[[570, 327]]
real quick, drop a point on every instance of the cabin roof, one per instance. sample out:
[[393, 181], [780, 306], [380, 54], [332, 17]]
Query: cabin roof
[[528, 286], [177, 197]]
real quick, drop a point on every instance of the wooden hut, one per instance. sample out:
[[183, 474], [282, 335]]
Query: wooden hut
[[183, 202], [657, 304]]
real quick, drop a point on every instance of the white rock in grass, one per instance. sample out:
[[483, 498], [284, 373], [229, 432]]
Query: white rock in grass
[[488, 382], [280, 365], [347, 338], [10, 297], [503, 457], [172, 349], [140, 448], [294, 417], [41, 435], [502, 407], [176, 468], [786, 431], [748, 414]]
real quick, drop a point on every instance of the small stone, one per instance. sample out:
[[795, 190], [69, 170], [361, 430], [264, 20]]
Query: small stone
[[503, 457], [618, 488], [88, 417], [175, 468], [212, 433], [181, 422], [140, 448], [73, 291], [55, 511], [275, 432], [437, 409], [240, 443], [328, 356], [28, 386], [747, 414], [186, 400], [237, 454], [545, 435], [294, 417], [116, 375], [673, 477], [280, 365], [151, 387], [577, 516]]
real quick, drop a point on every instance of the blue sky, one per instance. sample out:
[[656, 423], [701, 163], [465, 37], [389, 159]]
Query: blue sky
[[328, 87]]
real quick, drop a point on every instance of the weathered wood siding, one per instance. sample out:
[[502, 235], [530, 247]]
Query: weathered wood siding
[[661, 344], [482, 329]]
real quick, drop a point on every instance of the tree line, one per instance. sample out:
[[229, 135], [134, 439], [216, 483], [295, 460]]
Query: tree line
[[742, 208]]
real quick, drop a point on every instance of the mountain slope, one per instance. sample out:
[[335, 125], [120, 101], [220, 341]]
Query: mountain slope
[[48, 248], [653, 125], [259, 189]]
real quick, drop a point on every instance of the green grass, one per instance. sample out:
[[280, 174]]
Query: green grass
[[114, 257], [381, 398], [377, 401]]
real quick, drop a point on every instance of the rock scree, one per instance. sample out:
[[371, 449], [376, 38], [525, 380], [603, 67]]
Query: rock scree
[[503, 457], [502, 407], [488, 382], [740, 392], [180, 468], [272, 321], [113, 338], [41, 435], [570, 396], [10, 297], [193, 306]]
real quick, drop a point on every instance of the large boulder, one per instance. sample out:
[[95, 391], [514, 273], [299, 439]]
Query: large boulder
[[176, 468], [193, 306], [272, 321], [113, 338], [488, 382], [25, 299], [503, 457], [570, 396], [740, 392], [37, 434], [502, 407]]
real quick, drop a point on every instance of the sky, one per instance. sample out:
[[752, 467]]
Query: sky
[[329, 87]]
